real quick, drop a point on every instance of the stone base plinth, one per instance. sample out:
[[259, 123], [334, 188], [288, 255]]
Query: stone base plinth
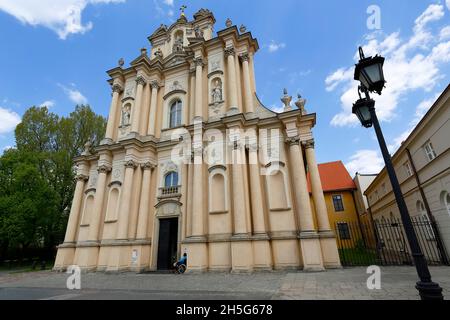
[[86, 256], [241, 255], [311, 252], [330, 251], [64, 257], [197, 254]]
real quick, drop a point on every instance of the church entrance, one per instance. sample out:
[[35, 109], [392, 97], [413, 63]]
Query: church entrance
[[167, 244]]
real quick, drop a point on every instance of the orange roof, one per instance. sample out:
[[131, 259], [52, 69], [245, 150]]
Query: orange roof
[[334, 176]]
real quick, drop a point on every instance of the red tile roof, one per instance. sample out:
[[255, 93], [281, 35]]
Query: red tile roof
[[334, 176]]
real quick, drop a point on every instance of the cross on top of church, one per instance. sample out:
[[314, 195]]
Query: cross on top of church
[[183, 7]]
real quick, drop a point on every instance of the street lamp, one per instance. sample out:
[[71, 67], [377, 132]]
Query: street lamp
[[369, 71]]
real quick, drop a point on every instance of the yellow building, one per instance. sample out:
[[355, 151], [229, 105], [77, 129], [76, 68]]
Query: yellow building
[[338, 188], [192, 162]]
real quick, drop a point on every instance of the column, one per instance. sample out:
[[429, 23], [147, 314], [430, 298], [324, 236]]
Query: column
[[262, 253], [232, 87], [198, 113], [300, 185], [94, 227], [141, 82], [74, 217], [153, 106], [249, 107], [117, 90], [316, 187], [198, 229], [144, 201], [240, 221], [259, 223], [310, 247], [125, 201], [330, 253], [191, 95]]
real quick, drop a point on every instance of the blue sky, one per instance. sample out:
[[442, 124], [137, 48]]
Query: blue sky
[[57, 51]]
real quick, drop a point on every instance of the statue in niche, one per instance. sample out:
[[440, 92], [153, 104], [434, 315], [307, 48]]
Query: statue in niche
[[178, 43], [158, 53], [198, 32], [126, 115], [217, 92]]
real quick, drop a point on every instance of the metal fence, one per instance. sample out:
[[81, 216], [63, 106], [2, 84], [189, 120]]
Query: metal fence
[[384, 242]]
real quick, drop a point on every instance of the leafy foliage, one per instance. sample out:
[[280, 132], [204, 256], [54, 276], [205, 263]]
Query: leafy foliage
[[37, 177]]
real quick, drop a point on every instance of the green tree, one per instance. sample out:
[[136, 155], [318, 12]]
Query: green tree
[[37, 178]]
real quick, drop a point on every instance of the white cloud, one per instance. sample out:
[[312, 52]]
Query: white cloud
[[277, 108], [445, 33], [61, 16], [9, 120], [421, 109], [411, 64], [448, 4], [74, 94], [274, 46], [7, 148], [48, 103], [365, 161], [168, 2]]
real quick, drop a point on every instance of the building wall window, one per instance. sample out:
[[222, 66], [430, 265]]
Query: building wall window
[[113, 201], [445, 199], [171, 180], [408, 169], [429, 151], [175, 114], [87, 212], [277, 200], [338, 203], [218, 193], [344, 231]]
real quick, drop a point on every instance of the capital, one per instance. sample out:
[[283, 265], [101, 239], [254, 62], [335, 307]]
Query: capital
[[309, 144], [140, 80], [81, 177], [104, 169], [199, 62], [117, 88], [148, 166], [155, 84], [293, 140], [131, 164], [244, 56], [229, 52]]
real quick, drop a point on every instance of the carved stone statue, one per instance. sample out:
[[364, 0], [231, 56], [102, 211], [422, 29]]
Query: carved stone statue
[[178, 44], [158, 53], [198, 32], [126, 115], [217, 92]]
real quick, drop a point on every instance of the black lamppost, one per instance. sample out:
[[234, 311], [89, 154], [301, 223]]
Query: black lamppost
[[369, 71]]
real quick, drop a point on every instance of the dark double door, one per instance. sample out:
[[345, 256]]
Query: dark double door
[[167, 244]]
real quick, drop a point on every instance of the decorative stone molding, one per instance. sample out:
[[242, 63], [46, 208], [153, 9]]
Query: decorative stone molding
[[199, 62], [309, 144], [293, 140], [81, 177], [218, 166], [244, 57], [104, 169], [275, 163], [115, 183], [131, 164], [140, 80], [117, 88], [148, 166], [230, 52], [197, 151], [155, 84], [253, 147]]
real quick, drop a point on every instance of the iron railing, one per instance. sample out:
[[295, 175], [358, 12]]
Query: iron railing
[[383, 242]]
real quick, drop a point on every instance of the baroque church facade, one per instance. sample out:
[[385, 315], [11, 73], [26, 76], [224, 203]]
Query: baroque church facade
[[192, 162]]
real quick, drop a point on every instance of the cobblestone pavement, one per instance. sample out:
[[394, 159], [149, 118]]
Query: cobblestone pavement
[[343, 284]]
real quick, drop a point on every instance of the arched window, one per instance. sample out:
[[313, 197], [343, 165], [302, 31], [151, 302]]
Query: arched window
[[278, 195], [218, 193], [87, 212], [175, 114], [447, 201], [171, 180]]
